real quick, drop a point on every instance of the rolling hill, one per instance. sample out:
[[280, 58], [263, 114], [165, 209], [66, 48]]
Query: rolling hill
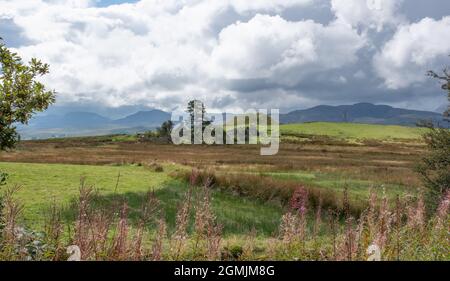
[[366, 113], [153, 118], [90, 124], [80, 123]]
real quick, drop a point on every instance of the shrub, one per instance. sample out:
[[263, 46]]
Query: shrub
[[435, 167]]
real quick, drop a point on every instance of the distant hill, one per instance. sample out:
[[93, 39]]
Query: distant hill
[[74, 120], [361, 113], [83, 120], [144, 118], [80, 123], [442, 108], [90, 124]]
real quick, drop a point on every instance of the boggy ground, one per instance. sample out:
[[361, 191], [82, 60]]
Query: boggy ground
[[391, 162]]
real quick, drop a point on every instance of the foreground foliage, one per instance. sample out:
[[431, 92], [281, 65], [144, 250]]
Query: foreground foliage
[[402, 231], [21, 94], [435, 166]]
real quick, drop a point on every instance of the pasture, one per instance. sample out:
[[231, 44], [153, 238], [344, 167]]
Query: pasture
[[353, 131], [329, 164], [43, 185], [340, 166]]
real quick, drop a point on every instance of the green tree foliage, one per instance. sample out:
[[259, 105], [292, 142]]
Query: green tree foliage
[[21, 94], [192, 109], [197, 113], [435, 167], [161, 134], [165, 130]]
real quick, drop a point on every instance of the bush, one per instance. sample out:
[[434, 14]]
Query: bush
[[435, 167], [155, 167]]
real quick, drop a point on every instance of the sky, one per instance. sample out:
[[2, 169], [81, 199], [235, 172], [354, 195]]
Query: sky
[[234, 54]]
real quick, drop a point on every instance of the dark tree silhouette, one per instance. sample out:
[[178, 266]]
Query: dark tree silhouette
[[445, 79], [197, 113], [165, 130]]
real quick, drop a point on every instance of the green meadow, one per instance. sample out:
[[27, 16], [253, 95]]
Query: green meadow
[[43, 185], [334, 167], [352, 131]]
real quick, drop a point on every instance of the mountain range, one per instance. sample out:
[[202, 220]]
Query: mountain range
[[361, 113], [91, 124], [81, 123]]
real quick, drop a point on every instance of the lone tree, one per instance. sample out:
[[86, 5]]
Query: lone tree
[[435, 167], [21, 95], [197, 113], [165, 130]]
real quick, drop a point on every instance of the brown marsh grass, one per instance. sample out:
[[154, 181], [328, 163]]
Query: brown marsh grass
[[381, 162]]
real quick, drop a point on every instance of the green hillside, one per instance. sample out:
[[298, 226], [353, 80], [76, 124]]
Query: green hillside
[[352, 131]]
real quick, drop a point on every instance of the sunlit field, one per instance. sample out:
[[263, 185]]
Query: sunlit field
[[227, 202]]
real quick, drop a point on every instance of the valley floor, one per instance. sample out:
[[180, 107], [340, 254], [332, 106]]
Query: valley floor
[[50, 170], [252, 194]]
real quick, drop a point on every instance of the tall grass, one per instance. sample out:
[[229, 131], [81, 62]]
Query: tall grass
[[267, 188], [402, 231]]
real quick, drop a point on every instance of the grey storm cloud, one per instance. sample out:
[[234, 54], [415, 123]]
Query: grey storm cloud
[[233, 54], [12, 33]]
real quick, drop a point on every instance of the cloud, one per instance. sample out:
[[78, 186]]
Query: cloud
[[373, 14], [413, 50], [134, 52], [230, 53], [281, 51], [267, 5]]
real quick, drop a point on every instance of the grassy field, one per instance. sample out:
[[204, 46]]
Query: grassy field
[[327, 165], [338, 166], [358, 188], [344, 131], [42, 185], [352, 131]]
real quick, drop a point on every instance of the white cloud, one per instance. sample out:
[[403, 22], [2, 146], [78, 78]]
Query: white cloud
[[285, 52], [163, 52], [113, 54], [368, 13], [414, 49], [155, 51], [268, 5]]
